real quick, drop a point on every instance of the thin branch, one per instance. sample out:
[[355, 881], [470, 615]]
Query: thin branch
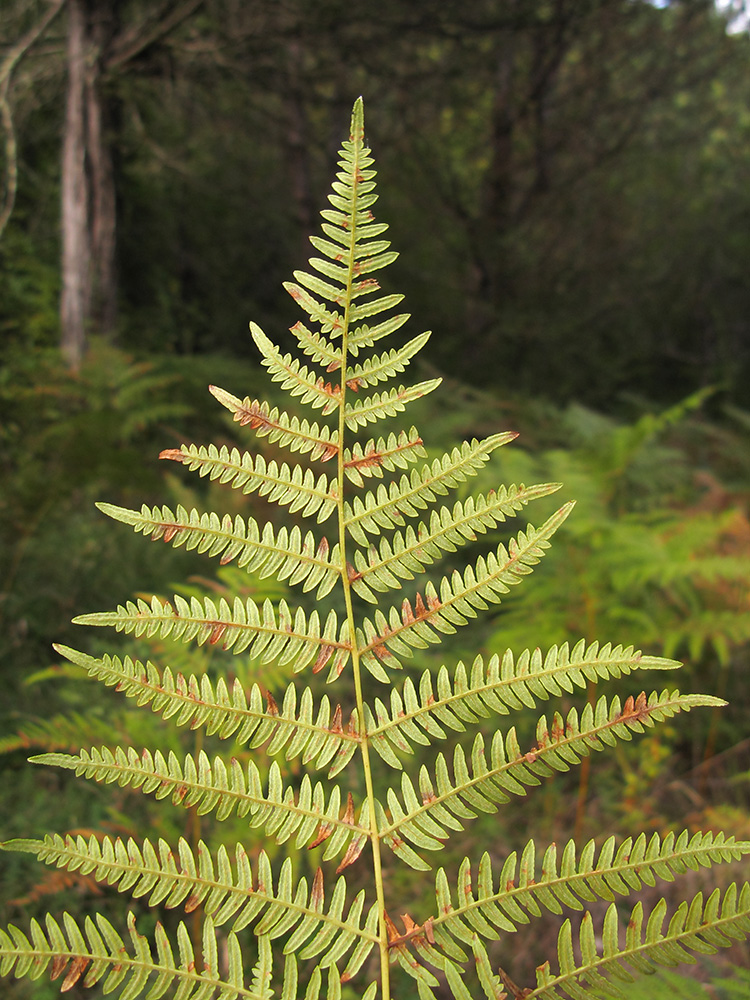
[[130, 48], [16, 53]]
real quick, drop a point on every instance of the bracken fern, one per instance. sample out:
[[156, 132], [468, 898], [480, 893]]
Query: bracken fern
[[332, 773]]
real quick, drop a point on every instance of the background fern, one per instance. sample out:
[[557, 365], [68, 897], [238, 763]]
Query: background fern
[[328, 774]]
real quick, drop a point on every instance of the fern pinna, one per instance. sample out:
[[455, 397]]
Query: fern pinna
[[268, 931]]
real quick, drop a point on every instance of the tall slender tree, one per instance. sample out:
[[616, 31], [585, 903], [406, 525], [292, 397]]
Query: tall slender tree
[[101, 42]]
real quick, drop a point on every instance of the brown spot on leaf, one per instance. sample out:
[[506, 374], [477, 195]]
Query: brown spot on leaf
[[334, 391], [174, 454], [348, 816], [178, 794], [271, 706], [76, 970], [352, 573], [316, 892], [58, 964], [353, 851], [381, 651], [217, 633], [336, 726], [393, 934], [324, 655], [324, 832]]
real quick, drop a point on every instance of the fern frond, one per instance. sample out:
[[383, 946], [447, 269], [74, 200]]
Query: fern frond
[[295, 728], [244, 628], [285, 554], [385, 366], [387, 508], [331, 321], [279, 427], [183, 878], [97, 954], [317, 347], [292, 487], [501, 686], [521, 890], [295, 378], [385, 404], [375, 457], [695, 927], [405, 554], [214, 787], [425, 816], [375, 306], [458, 599], [367, 336]]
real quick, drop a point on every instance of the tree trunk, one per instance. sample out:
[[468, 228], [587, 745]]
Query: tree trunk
[[89, 285], [76, 248], [102, 198]]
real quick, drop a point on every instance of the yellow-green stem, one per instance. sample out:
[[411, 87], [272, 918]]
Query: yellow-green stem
[[356, 666]]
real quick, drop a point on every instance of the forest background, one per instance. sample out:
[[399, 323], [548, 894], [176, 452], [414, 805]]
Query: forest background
[[568, 183]]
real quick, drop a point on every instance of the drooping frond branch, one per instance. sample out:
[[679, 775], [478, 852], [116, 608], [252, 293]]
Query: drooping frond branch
[[499, 687], [253, 719], [317, 347], [182, 878], [244, 628], [214, 787], [279, 427], [295, 378], [424, 817], [99, 955], [283, 553], [406, 553], [695, 927], [500, 904], [387, 508], [293, 487], [381, 641]]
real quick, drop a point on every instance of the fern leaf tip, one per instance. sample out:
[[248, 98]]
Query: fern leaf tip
[[21, 844]]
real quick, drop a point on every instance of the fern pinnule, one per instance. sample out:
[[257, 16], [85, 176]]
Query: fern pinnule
[[267, 633], [289, 430], [697, 926], [283, 553], [295, 488], [387, 531], [501, 686], [319, 737], [311, 813], [522, 891], [225, 891], [444, 803]]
